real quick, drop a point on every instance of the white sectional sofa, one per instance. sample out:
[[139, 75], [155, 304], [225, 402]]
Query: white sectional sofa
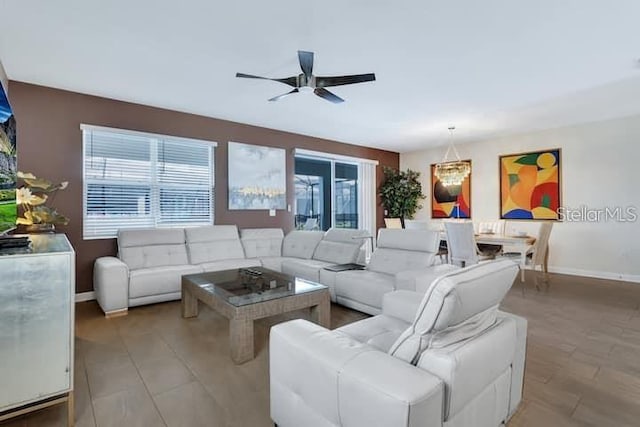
[[447, 357], [148, 269], [402, 260], [337, 246], [151, 262]]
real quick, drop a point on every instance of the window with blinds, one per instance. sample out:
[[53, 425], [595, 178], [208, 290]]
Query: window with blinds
[[138, 180]]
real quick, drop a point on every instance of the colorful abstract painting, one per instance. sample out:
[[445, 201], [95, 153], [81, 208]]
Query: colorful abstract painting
[[453, 201], [530, 185]]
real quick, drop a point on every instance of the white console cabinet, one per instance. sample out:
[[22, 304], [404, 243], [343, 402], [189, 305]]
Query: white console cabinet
[[37, 289]]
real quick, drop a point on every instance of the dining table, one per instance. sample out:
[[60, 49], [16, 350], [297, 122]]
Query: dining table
[[519, 244]]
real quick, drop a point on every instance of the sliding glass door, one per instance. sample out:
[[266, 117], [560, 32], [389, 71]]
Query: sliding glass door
[[326, 194]]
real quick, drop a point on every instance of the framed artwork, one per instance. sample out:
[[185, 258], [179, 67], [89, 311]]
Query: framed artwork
[[257, 177], [453, 201], [530, 185], [8, 163]]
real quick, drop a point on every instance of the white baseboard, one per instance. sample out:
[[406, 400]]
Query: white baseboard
[[85, 296], [633, 278]]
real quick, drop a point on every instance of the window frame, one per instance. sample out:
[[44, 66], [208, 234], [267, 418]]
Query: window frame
[[155, 185]]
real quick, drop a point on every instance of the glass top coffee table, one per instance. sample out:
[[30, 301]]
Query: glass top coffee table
[[246, 294]]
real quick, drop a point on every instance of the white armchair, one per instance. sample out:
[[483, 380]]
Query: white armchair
[[447, 357]]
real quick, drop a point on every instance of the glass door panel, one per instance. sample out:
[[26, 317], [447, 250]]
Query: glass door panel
[[346, 195], [326, 194], [313, 194]]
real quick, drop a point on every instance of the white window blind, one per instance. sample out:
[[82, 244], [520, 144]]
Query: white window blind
[[138, 180]]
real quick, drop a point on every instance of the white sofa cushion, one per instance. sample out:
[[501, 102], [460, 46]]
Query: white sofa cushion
[[152, 248], [262, 242], [377, 331], [158, 280], [393, 261], [301, 244], [213, 243], [401, 250], [409, 240], [456, 306], [365, 287], [402, 305], [272, 262], [340, 246], [308, 269], [230, 264]]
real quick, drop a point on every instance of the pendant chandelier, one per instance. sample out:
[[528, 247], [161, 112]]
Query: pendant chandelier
[[452, 172]]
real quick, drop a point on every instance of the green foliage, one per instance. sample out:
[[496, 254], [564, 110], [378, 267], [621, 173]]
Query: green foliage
[[6, 195], [401, 193], [8, 213]]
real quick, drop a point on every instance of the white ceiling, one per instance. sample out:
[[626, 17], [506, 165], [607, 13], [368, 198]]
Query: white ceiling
[[490, 67]]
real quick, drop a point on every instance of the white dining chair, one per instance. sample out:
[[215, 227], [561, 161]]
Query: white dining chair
[[461, 244], [538, 253], [393, 222], [491, 227], [413, 224]]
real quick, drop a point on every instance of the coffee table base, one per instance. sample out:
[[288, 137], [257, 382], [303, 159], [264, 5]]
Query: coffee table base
[[241, 318]]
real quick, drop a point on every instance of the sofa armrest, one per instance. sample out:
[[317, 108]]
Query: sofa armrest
[[322, 377], [111, 284], [517, 367], [402, 304], [419, 280]]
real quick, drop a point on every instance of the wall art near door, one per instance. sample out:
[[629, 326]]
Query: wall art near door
[[453, 201], [8, 162], [257, 177], [530, 185]]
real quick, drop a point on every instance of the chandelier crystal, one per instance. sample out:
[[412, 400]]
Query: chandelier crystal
[[452, 172]]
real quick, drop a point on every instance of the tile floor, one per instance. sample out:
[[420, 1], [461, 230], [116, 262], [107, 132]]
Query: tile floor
[[153, 368]]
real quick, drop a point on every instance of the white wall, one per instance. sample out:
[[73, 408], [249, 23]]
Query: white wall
[[4, 80], [600, 168]]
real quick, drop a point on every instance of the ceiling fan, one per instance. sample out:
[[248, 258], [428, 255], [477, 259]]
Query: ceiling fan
[[306, 82]]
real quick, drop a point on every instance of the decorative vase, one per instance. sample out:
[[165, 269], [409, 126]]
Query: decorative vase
[[41, 228]]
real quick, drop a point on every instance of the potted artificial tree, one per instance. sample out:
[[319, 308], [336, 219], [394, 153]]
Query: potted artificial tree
[[401, 193]]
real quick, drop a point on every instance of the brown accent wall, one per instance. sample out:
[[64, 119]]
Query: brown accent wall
[[50, 145]]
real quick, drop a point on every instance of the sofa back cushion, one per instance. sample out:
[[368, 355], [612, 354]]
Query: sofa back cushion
[[301, 244], [152, 247], [456, 307], [262, 242], [213, 243], [340, 245], [401, 250]]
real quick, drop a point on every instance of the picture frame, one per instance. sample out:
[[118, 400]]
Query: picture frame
[[452, 201], [257, 177], [531, 185]]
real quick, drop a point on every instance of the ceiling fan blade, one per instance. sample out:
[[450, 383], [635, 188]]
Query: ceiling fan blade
[[291, 81], [306, 62], [344, 80], [323, 93], [279, 97]]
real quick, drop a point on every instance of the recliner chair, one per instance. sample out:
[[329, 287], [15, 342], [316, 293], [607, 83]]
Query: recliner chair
[[444, 358]]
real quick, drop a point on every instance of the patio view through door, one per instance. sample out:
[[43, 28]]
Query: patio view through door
[[326, 193]]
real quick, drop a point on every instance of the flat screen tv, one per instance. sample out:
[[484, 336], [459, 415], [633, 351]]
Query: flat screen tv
[[8, 163]]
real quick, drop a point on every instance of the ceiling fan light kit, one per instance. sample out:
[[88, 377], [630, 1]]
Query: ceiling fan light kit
[[306, 82]]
